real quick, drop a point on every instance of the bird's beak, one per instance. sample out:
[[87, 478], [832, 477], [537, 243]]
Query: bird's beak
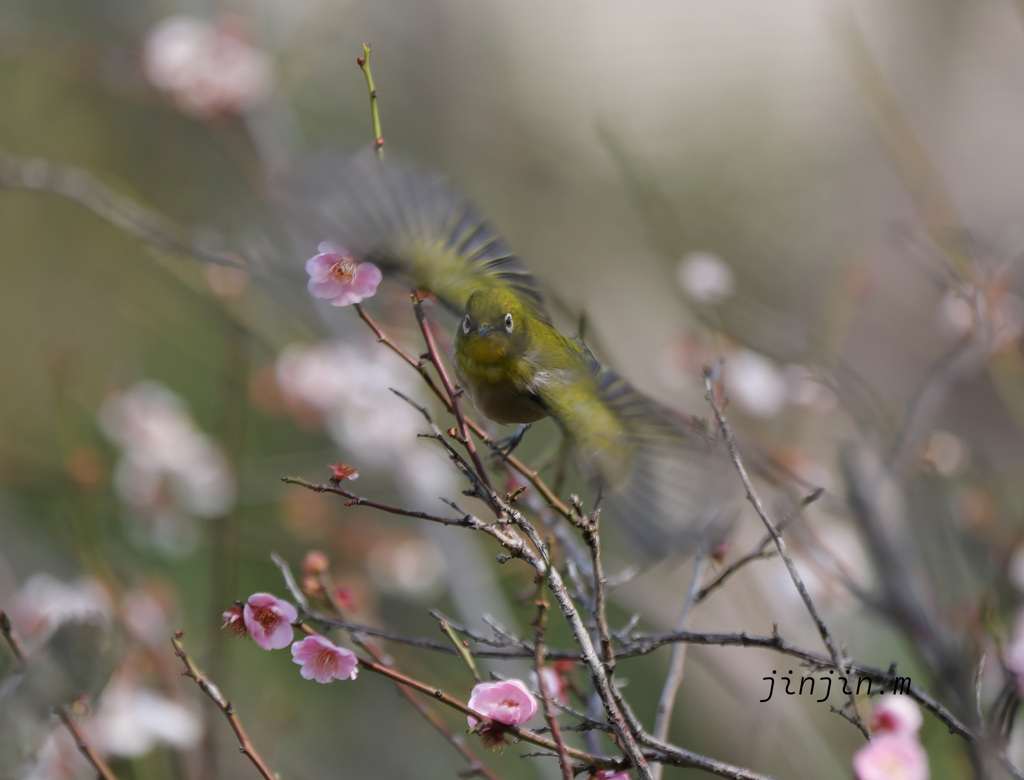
[[484, 330]]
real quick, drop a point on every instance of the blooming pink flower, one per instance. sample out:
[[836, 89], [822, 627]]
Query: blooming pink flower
[[269, 620], [509, 702], [323, 661], [336, 277], [611, 774], [898, 715], [891, 757]]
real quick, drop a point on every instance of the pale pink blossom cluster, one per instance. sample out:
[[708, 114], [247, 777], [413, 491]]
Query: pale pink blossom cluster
[[895, 751], [129, 718], [44, 602], [209, 69], [347, 385], [170, 471], [268, 620]]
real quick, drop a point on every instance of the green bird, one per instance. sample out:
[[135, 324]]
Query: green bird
[[657, 469]]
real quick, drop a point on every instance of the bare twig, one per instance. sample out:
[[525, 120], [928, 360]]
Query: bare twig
[[838, 658], [449, 389], [83, 745], [674, 677], [539, 627], [214, 694], [461, 648], [356, 500], [593, 541], [119, 211]]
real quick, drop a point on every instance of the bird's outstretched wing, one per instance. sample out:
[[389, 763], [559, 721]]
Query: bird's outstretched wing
[[662, 476], [409, 221]]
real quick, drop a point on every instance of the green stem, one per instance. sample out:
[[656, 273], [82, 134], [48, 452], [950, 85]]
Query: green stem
[[378, 134]]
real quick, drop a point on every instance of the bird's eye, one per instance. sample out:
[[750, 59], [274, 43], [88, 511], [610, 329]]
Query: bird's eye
[[508, 323], [465, 324]]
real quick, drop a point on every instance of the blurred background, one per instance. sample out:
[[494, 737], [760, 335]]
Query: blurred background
[[827, 194]]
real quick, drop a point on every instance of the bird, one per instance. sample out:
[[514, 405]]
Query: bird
[[658, 470]]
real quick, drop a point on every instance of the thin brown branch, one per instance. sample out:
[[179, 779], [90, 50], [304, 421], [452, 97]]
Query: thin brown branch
[[838, 658], [213, 693], [674, 676], [357, 500], [592, 539], [540, 623], [449, 389], [524, 735], [83, 745]]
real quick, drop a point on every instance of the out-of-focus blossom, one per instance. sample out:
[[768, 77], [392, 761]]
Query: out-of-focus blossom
[[146, 615], [132, 720], [1002, 313], [323, 661], [1014, 656], [336, 277], [550, 681], [43, 603], [57, 759], [945, 452], [508, 701], [896, 715], [315, 562], [755, 384], [210, 70], [234, 621], [412, 566], [805, 390], [891, 757], [705, 278], [269, 620], [1015, 567], [170, 472], [345, 598], [348, 386], [611, 774]]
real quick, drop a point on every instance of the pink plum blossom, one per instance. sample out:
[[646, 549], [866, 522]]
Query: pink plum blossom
[[323, 661], [269, 620], [898, 715], [611, 774], [891, 757], [509, 702], [336, 277]]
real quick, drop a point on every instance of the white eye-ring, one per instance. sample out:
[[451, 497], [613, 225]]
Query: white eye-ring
[[508, 323], [465, 324]]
